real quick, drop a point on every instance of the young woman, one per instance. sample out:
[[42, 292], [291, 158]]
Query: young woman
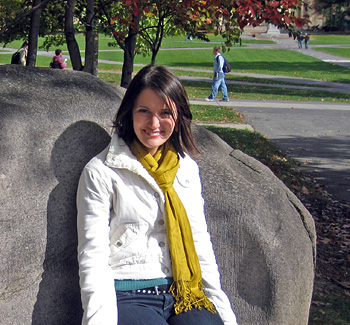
[[145, 255]]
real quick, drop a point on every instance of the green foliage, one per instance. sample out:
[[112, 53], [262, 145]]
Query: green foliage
[[53, 41], [336, 13], [51, 21], [150, 20], [9, 11], [52, 18]]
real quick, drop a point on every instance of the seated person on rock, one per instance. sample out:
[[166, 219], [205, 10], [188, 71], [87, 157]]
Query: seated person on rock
[[145, 255]]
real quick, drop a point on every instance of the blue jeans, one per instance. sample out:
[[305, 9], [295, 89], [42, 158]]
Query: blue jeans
[[148, 309], [219, 82]]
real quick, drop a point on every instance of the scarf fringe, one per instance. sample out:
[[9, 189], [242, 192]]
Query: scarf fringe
[[186, 298]]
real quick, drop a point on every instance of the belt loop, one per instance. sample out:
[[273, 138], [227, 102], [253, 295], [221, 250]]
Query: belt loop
[[157, 291]]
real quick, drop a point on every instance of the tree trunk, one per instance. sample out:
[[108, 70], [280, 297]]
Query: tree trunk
[[90, 49], [153, 59], [72, 44], [129, 53], [158, 40], [33, 35], [128, 65], [95, 57]]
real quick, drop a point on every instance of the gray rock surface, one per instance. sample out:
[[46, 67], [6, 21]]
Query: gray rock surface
[[263, 236], [51, 123]]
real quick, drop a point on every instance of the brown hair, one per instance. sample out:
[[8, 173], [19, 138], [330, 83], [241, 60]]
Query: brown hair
[[168, 87]]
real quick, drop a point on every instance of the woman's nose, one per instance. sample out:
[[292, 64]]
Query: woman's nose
[[155, 121]]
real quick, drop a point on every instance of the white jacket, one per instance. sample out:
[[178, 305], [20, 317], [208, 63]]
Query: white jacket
[[122, 234]]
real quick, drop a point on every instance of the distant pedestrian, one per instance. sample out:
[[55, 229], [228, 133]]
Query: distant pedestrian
[[188, 37], [306, 40], [57, 61], [300, 38], [218, 78], [20, 57]]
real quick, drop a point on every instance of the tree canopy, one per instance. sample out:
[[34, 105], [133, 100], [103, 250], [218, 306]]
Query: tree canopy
[[337, 13], [139, 26]]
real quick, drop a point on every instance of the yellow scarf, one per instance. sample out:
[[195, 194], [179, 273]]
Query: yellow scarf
[[187, 287]]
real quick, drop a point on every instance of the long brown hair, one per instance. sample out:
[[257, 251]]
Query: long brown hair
[[167, 85]]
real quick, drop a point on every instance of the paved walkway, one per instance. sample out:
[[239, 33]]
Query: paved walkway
[[316, 134]]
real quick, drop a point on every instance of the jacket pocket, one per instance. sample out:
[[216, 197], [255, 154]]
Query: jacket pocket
[[128, 244]]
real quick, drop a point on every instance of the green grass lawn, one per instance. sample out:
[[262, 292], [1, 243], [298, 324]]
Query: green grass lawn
[[329, 39], [168, 42], [41, 61], [243, 60], [103, 68], [215, 114], [342, 52], [179, 42], [262, 61], [201, 89]]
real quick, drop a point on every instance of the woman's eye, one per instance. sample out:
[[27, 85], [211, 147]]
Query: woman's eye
[[143, 111], [167, 113]]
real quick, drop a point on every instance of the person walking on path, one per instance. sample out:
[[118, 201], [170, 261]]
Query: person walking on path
[[20, 57], [306, 40], [300, 38], [57, 61], [218, 78]]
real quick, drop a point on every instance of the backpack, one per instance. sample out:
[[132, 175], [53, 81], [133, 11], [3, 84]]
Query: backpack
[[227, 66], [15, 58]]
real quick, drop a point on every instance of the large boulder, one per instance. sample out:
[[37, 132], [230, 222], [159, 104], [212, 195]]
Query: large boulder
[[51, 123]]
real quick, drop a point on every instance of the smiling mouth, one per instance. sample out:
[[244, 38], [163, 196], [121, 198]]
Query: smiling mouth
[[152, 134]]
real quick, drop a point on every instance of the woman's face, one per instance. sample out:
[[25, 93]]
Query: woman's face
[[153, 120]]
